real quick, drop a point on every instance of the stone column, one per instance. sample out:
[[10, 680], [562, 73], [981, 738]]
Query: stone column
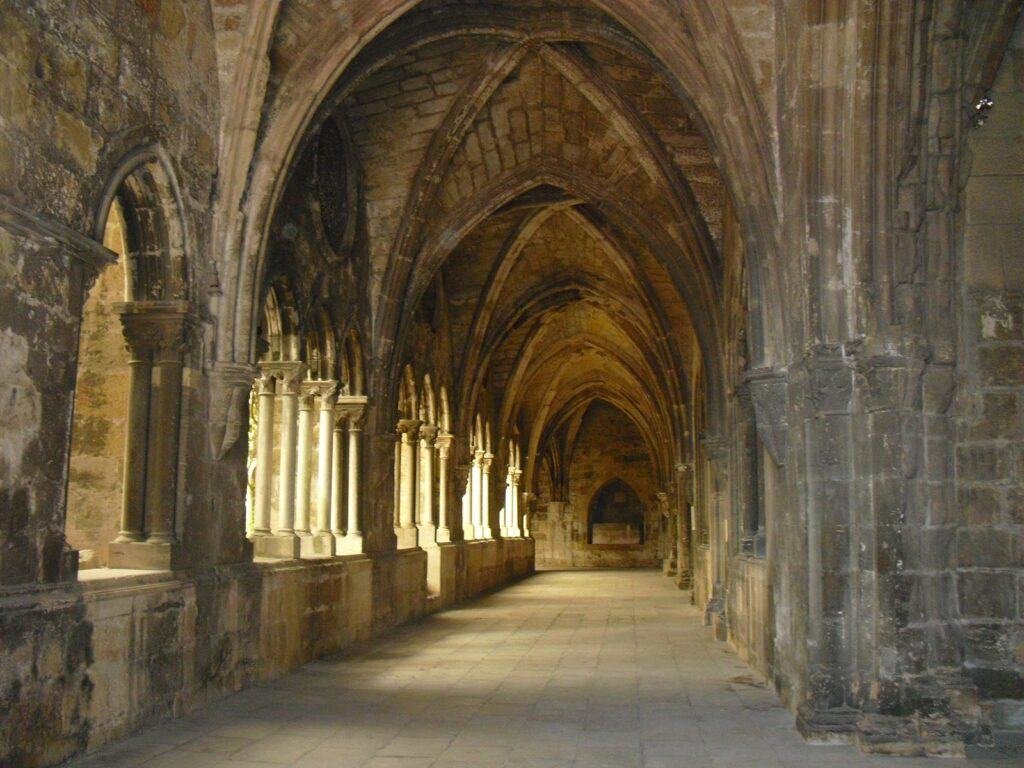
[[284, 543], [485, 495], [425, 523], [139, 345], [162, 327], [506, 510], [265, 386], [353, 408], [443, 444], [304, 458], [165, 419], [668, 545], [684, 494], [514, 528], [338, 473], [718, 527], [408, 429], [289, 397], [319, 541], [463, 479], [475, 498], [327, 515]]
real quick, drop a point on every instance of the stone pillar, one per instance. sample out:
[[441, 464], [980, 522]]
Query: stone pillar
[[463, 477], [161, 326], [140, 363], [718, 512], [408, 430], [289, 398], [165, 420], [319, 540], [425, 522], [513, 519], [351, 409], [681, 513], [304, 458], [283, 543], [265, 389], [668, 545], [327, 460], [485, 495], [504, 524], [443, 444]]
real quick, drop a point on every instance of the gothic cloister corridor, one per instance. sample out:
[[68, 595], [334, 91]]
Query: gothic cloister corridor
[[590, 381], [595, 669]]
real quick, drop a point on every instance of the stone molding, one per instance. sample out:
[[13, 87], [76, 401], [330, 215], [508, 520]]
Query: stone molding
[[92, 255], [230, 385], [769, 392]]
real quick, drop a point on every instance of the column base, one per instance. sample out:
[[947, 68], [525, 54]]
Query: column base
[[407, 537], [485, 533], [426, 534], [285, 546], [144, 555], [316, 545], [443, 536], [348, 544]]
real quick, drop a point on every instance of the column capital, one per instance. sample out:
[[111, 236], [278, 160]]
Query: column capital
[[428, 435], [486, 461], [443, 443], [517, 475], [326, 390], [154, 328], [352, 408], [289, 372], [408, 428]]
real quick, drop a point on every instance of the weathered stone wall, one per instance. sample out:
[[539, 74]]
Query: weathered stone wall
[[80, 90], [989, 463], [608, 447]]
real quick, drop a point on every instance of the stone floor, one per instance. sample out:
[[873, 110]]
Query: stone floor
[[590, 669]]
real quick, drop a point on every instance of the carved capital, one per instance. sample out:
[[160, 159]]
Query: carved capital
[[327, 391], [428, 434], [351, 408], [155, 329], [769, 392], [408, 429], [289, 372], [443, 443], [485, 462]]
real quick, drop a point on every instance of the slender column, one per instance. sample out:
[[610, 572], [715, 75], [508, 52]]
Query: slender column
[[140, 367], [684, 490], [326, 513], [485, 495], [304, 466], [354, 444], [337, 491], [443, 444], [289, 397], [265, 386], [165, 414], [503, 516], [407, 499], [425, 520], [476, 500], [513, 519]]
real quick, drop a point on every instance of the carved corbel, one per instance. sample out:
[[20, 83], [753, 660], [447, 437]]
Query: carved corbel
[[230, 385], [769, 393]]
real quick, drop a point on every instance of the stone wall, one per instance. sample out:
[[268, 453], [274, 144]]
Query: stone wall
[[97, 659], [989, 463], [608, 447]]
